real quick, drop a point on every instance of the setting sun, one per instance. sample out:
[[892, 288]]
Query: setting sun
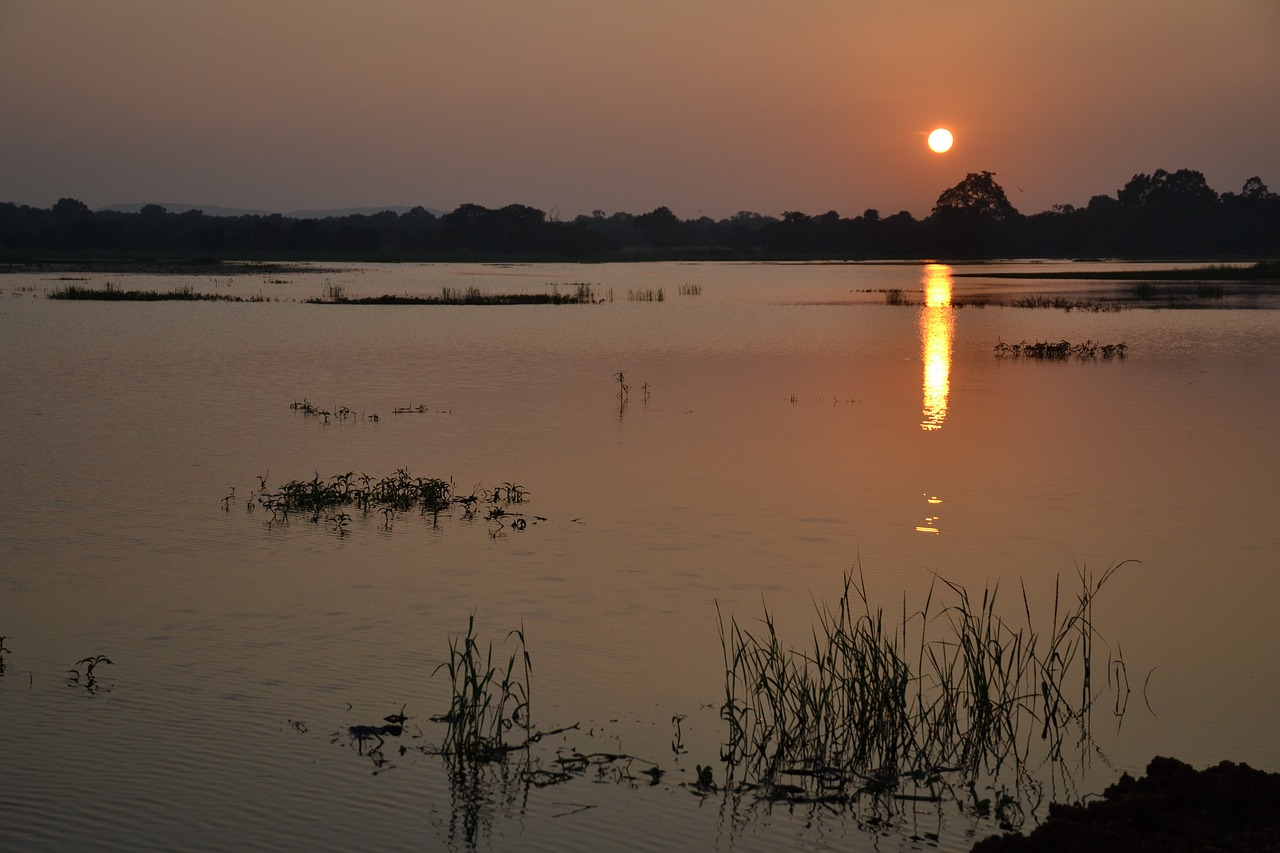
[[940, 140]]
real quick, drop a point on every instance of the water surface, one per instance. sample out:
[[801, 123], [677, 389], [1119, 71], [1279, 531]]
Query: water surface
[[796, 427]]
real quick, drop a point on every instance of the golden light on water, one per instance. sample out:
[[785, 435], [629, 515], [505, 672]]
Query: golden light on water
[[937, 328]]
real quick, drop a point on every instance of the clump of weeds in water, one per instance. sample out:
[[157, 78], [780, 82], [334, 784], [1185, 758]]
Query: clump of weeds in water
[[952, 697], [1062, 350], [326, 501], [87, 679], [339, 413], [489, 702]]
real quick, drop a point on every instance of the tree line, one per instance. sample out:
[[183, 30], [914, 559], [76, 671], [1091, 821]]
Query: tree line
[[1162, 214]]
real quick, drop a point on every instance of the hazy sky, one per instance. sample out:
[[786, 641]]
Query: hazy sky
[[706, 106]]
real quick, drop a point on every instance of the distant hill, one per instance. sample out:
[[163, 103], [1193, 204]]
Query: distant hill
[[215, 210]]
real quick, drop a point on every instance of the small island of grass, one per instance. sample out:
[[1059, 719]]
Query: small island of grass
[[1261, 271]]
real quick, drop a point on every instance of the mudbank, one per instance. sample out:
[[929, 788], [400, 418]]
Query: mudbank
[[1174, 807]]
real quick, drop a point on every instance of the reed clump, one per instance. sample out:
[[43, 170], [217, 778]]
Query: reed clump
[[1060, 350], [489, 702], [318, 497], [326, 500], [110, 293], [646, 295], [341, 413], [913, 710], [1065, 304], [579, 293]]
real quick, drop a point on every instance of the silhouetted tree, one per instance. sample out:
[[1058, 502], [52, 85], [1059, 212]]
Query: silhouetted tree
[[659, 226], [70, 207], [1169, 212], [973, 218], [1158, 214], [978, 195], [1251, 219], [1255, 188]]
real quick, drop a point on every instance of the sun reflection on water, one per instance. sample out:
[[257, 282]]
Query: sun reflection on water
[[937, 328]]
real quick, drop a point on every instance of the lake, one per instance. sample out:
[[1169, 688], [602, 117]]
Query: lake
[[783, 426]]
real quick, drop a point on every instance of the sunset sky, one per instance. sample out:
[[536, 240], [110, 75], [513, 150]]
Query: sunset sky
[[706, 106]]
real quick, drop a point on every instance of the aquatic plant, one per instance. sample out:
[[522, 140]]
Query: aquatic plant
[[1065, 304], [488, 701], [341, 413], [325, 500], [510, 493], [1268, 270], [581, 294], [110, 293], [1047, 351], [646, 295], [950, 694], [1143, 291], [88, 679], [624, 390]]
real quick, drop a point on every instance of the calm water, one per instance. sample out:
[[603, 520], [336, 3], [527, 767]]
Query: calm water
[[796, 427]]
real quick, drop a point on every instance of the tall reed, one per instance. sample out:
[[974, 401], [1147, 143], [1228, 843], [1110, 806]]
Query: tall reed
[[488, 701], [951, 692]]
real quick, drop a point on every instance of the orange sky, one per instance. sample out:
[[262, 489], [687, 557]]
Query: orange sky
[[706, 106]]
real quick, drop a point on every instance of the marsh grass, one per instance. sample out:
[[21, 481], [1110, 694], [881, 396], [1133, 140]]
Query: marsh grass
[[489, 701], [1064, 303], [1264, 271], [1061, 350], [111, 293], [646, 295], [1143, 291], [325, 500], [951, 695], [579, 293]]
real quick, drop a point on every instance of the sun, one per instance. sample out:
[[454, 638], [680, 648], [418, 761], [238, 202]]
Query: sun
[[940, 140]]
